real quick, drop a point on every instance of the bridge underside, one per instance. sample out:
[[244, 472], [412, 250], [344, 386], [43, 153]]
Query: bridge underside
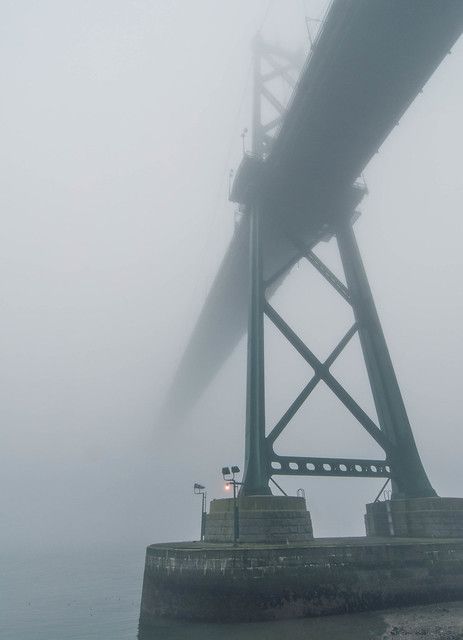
[[369, 62]]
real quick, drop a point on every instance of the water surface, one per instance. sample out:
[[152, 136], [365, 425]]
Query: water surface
[[95, 594]]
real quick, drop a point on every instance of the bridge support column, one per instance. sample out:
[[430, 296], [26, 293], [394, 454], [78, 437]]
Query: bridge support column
[[256, 477], [409, 479]]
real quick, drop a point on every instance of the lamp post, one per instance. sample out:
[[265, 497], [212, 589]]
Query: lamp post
[[230, 481], [199, 490]]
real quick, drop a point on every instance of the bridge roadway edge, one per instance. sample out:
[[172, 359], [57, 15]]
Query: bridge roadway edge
[[250, 582]]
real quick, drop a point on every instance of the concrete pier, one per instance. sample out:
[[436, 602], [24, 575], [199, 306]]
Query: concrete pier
[[270, 519], [416, 517], [226, 582]]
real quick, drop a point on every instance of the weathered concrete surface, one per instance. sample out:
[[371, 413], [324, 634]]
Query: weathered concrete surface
[[443, 621], [222, 582], [416, 518], [432, 622], [271, 519]]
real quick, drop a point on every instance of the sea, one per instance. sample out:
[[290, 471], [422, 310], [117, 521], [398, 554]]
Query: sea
[[94, 594]]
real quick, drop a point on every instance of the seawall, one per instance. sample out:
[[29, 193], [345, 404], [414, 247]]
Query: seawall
[[223, 582]]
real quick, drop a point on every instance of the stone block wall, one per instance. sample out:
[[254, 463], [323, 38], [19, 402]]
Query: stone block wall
[[271, 519], [240, 583], [416, 518]]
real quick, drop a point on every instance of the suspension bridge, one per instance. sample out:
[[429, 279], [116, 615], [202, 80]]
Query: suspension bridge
[[297, 186]]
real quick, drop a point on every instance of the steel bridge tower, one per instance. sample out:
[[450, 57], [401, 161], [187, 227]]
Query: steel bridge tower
[[393, 433]]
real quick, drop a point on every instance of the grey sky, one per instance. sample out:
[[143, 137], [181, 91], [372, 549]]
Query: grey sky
[[119, 123]]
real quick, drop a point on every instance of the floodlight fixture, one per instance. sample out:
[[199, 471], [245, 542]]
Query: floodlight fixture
[[230, 482]]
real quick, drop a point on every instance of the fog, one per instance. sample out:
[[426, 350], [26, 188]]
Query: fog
[[120, 121]]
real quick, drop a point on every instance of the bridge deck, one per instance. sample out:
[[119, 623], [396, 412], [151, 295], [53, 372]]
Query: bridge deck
[[369, 62]]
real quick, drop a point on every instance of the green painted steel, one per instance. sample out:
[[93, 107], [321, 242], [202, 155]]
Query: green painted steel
[[409, 478], [256, 476], [402, 462]]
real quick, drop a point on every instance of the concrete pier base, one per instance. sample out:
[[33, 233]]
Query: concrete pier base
[[416, 518], [270, 519], [246, 582]]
